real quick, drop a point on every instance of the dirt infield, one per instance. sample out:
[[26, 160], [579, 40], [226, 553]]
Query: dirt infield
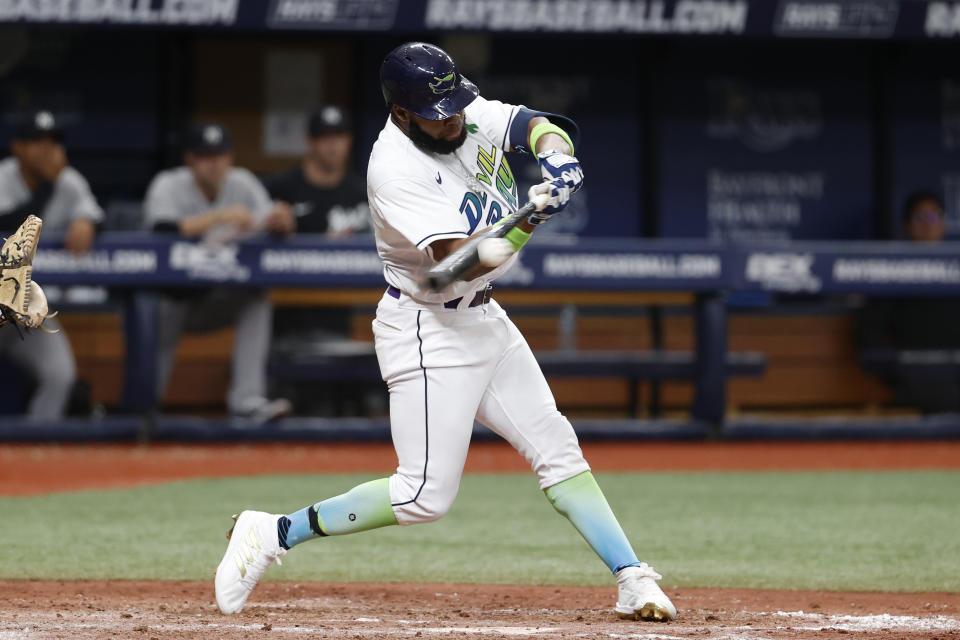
[[38, 610], [38, 469], [161, 610]]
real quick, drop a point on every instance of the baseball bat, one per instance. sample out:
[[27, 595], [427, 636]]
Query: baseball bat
[[465, 258]]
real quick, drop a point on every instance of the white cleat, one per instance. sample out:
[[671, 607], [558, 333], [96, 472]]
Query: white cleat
[[253, 547], [639, 597]]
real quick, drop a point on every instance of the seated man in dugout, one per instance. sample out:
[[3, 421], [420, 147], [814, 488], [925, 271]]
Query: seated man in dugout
[[917, 323], [37, 179], [210, 200], [326, 196]]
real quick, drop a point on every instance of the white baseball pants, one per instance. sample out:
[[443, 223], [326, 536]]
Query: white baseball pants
[[445, 368]]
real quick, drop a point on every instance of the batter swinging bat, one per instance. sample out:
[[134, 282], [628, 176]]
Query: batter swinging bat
[[466, 258]]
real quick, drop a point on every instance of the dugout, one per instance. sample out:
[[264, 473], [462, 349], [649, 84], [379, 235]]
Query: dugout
[[754, 127]]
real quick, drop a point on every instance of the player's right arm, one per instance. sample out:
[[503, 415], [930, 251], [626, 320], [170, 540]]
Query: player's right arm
[[418, 210], [198, 224], [237, 216]]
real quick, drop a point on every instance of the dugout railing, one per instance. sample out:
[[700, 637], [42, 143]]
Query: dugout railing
[[135, 265]]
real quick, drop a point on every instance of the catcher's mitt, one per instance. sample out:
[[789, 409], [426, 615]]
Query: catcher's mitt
[[21, 299]]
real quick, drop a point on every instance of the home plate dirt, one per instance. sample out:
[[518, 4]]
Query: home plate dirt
[[35, 610]]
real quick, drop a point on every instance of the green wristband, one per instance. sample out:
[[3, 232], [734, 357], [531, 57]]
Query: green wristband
[[517, 237], [548, 127]]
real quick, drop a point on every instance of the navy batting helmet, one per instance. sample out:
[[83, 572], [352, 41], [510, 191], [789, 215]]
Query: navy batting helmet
[[423, 78]]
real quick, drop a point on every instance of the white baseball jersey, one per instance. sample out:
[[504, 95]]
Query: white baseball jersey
[[448, 367], [417, 198]]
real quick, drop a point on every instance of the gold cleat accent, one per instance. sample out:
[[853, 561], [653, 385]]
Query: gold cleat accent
[[649, 612], [654, 613], [230, 532], [240, 565]]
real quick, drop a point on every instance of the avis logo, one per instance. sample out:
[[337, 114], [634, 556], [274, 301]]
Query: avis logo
[[442, 84], [790, 272], [201, 262], [763, 119]]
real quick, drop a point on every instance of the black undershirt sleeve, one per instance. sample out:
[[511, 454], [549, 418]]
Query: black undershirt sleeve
[[12, 218]]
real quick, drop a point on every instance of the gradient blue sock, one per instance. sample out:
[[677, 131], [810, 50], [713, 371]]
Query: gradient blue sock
[[582, 502], [366, 506], [295, 528]]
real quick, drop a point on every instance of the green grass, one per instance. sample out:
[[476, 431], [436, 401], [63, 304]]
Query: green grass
[[840, 531]]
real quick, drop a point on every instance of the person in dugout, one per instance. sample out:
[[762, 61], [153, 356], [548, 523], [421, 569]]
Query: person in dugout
[[324, 193], [211, 201], [326, 196], [37, 179], [917, 322]]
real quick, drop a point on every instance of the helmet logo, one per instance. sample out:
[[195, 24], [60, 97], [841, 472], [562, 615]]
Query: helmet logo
[[443, 83]]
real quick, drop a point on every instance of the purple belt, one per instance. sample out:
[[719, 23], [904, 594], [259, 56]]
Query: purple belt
[[481, 297]]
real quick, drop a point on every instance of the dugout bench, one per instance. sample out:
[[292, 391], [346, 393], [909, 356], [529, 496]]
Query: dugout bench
[[136, 265], [352, 360]]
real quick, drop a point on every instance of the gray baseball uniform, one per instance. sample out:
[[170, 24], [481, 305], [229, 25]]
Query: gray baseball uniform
[[46, 357], [71, 198], [172, 196]]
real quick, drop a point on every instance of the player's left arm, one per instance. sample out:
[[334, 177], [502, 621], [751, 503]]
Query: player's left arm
[[562, 176], [547, 140], [561, 171]]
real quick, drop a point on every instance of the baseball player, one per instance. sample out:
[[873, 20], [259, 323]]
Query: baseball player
[[326, 196], [437, 175], [37, 179], [211, 200]]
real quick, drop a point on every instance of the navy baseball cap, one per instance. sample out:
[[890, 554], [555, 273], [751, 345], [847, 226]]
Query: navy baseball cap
[[329, 119], [208, 139], [37, 126]]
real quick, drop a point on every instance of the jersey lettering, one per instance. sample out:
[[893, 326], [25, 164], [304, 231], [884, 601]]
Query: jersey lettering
[[486, 160], [487, 163], [495, 213], [506, 185], [472, 206]]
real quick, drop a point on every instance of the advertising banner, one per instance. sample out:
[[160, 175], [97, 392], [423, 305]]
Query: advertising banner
[[924, 104], [765, 150], [845, 19]]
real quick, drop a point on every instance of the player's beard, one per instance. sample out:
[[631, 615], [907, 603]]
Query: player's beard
[[429, 144]]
